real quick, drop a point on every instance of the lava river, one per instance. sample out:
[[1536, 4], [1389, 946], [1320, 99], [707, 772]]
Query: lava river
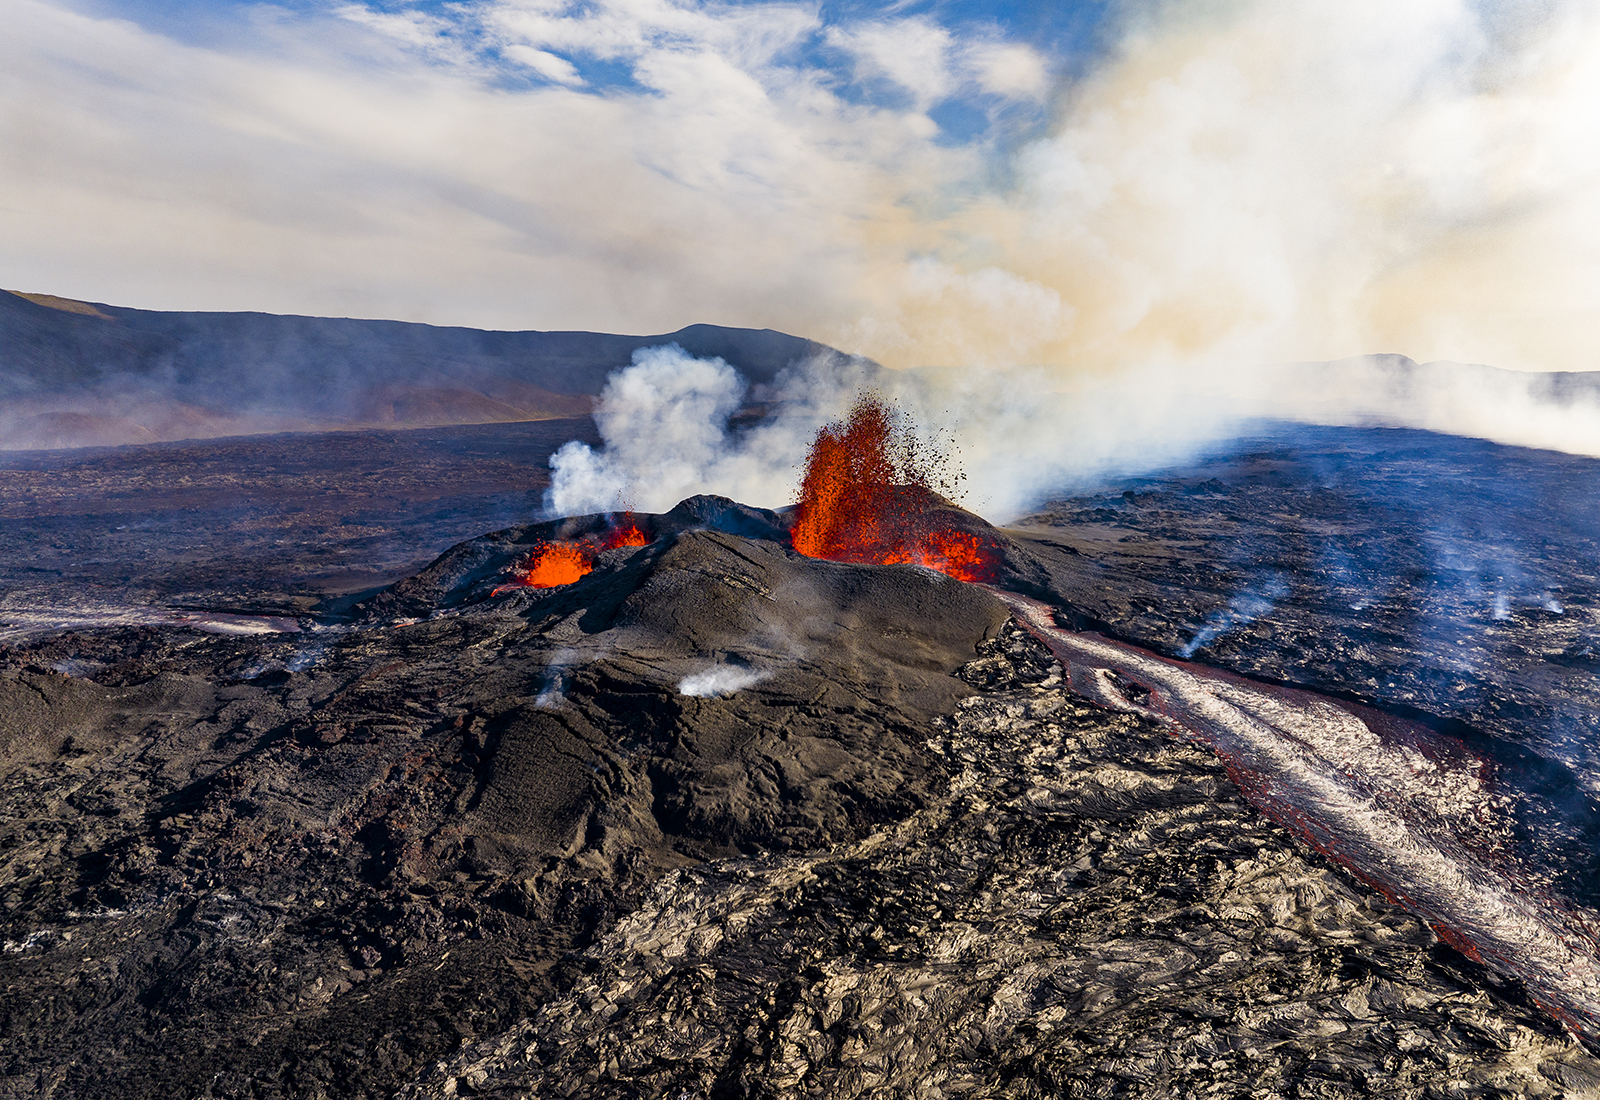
[[1412, 814]]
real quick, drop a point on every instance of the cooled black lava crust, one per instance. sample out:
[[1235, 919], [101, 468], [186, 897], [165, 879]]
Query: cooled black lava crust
[[311, 864], [1451, 579], [899, 860]]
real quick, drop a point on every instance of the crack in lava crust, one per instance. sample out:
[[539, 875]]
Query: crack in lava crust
[[1386, 812]]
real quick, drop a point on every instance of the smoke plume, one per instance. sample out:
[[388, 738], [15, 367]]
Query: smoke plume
[[665, 422], [720, 680]]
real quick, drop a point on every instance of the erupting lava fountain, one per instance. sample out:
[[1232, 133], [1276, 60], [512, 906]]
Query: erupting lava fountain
[[868, 496]]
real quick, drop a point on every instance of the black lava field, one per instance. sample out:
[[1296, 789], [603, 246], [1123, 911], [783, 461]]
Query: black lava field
[[1271, 776]]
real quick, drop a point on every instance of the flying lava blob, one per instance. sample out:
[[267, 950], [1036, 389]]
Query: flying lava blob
[[868, 496], [556, 563]]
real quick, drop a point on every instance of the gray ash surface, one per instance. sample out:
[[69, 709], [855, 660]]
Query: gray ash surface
[[504, 849]]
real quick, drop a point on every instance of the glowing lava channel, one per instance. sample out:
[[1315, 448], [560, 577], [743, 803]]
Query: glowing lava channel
[[1392, 815]]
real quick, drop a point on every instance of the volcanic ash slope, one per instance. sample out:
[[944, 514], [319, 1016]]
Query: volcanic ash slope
[[714, 820]]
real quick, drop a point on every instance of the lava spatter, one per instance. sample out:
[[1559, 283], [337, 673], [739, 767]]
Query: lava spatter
[[561, 562], [868, 496]]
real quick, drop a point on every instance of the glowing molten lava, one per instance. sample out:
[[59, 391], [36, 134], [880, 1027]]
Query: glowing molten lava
[[628, 535], [963, 556], [553, 564], [866, 497]]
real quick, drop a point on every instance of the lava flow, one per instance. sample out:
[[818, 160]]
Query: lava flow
[[1406, 812], [867, 497], [553, 564]]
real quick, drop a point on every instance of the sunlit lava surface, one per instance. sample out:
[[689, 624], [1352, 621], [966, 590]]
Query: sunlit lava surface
[[1410, 813]]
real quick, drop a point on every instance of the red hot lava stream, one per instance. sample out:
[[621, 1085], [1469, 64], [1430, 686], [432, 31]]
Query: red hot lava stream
[[867, 496], [1388, 800]]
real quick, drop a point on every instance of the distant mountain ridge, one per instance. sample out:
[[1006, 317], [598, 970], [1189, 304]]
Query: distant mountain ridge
[[87, 373]]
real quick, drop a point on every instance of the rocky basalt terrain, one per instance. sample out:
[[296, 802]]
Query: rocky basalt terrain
[[1089, 909], [1448, 579], [307, 864], [715, 820]]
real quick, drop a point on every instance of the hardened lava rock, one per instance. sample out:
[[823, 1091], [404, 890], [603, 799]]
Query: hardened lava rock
[[715, 820], [1449, 578], [309, 865], [1091, 910]]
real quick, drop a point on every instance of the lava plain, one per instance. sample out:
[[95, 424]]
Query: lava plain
[[449, 839], [278, 524], [1448, 579]]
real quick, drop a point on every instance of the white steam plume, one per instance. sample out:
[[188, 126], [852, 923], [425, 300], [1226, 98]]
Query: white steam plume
[[1254, 181], [721, 680], [664, 420], [1019, 435]]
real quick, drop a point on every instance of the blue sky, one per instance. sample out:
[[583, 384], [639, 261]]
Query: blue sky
[[1067, 29], [1067, 36]]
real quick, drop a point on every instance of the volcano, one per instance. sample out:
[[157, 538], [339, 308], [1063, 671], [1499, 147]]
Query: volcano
[[721, 816]]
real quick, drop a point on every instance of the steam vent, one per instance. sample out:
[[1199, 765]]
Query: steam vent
[[660, 806]]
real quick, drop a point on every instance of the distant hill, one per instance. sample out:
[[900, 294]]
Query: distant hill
[[86, 373]]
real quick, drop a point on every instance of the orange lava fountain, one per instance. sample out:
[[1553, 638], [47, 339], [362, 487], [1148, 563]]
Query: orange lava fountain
[[553, 564], [867, 497]]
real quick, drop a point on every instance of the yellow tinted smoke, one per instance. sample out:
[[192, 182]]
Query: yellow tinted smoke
[[1268, 181]]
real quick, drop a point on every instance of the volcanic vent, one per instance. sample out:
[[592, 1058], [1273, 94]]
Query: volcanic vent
[[870, 495], [563, 561]]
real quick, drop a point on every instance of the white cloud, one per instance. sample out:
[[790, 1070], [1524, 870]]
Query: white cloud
[[346, 174], [546, 64], [1232, 183], [428, 34], [913, 53], [1009, 69]]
